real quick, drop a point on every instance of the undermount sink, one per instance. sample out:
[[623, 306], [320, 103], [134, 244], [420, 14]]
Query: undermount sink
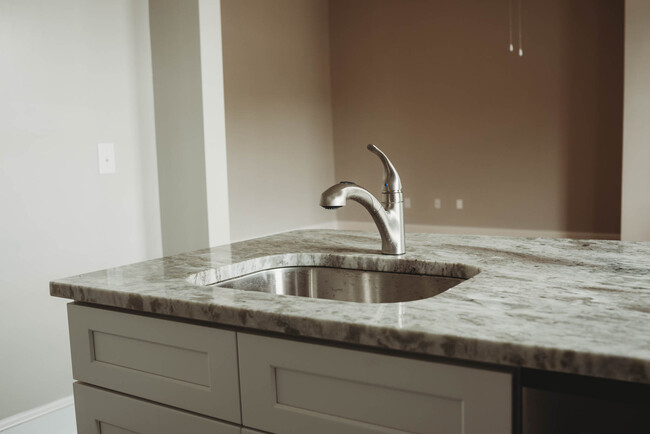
[[342, 284]]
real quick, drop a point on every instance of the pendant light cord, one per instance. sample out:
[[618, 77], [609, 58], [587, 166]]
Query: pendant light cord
[[521, 45], [511, 47]]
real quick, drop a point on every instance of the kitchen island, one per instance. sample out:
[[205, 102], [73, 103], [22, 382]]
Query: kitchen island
[[575, 307]]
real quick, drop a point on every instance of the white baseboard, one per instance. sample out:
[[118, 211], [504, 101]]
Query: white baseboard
[[326, 225], [460, 230], [468, 230], [332, 224], [34, 413]]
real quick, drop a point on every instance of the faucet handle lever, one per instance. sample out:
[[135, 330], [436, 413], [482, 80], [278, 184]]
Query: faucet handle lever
[[392, 183]]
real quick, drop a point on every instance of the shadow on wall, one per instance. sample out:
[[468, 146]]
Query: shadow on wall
[[593, 116]]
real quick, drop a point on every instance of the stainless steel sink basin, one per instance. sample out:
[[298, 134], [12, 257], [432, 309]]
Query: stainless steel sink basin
[[341, 284]]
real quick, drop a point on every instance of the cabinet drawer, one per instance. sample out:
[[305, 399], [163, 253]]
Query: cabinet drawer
[[182, 365], [295, 387], [99, 411]]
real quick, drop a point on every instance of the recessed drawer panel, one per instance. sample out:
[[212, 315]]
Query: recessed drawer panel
[[183, 365], [107, 428], [297, 387], [99, 411]]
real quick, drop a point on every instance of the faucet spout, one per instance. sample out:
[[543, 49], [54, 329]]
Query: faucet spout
[[388, 215]]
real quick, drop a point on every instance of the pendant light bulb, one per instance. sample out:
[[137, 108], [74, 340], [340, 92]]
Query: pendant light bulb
[[521, 52], [512, 48]]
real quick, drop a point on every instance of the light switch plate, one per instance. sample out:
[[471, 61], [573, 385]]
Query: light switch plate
[[106, 154]]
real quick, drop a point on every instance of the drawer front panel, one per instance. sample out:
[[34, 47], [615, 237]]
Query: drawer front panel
[[183, 365], [99, 411], [298, 387], [369, 403], [107, 428]]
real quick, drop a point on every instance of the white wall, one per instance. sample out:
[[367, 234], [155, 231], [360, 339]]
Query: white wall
[[214, 122], [635, 210], [72, 73], [188, 88]]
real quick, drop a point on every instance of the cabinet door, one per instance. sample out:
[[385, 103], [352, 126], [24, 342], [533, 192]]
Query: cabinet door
[[296, 387], [99, 411], [183, 365]]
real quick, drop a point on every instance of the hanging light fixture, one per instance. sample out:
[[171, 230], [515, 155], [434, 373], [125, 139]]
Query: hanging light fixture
[[511, 46]]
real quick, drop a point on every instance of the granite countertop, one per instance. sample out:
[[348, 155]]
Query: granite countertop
[[573, 306]]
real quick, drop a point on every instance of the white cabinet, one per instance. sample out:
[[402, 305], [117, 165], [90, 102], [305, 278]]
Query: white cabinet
[[174, 363], [286, 386], [297, 387], [102, 412]]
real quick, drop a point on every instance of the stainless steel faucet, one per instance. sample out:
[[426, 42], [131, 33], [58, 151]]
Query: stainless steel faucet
[[388, 215]]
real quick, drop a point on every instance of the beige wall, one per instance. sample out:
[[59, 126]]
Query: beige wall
[[73, 73], [527, 143], [635, 224], [278, 114]]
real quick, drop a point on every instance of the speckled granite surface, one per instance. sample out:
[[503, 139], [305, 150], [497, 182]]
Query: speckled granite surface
[[554, 304]]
